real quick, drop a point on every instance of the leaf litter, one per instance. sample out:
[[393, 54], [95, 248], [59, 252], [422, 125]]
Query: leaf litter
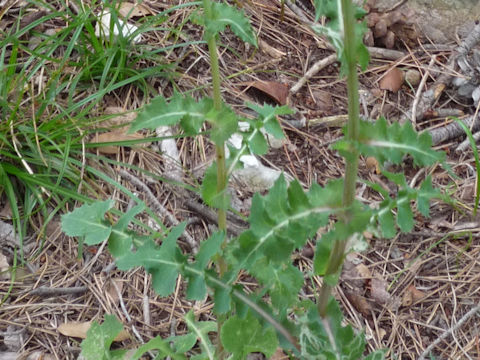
[[436, 289]]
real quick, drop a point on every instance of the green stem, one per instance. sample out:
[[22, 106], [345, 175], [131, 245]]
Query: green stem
[[351, 169], [219, 148], [220, 155]]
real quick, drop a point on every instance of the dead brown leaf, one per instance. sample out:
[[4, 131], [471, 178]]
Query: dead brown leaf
[[323, 100], [392, 80], [275, 90], [113, 136], [270, 50], [412, 295], [363, 271], [79, 330], [122, 118], [378, 291], [75, 329], [112, 293], [360, 303], [128, 10]]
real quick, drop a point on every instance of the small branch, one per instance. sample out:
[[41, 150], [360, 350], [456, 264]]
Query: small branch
[[466, 143], [49, 292], [449, 332], [210, 215], [451, 130], [420, 89], [318, 66]]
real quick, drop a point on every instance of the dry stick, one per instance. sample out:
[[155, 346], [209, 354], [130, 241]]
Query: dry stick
[[319, 65], [430, 96], [466, 143], [450, 331], [47, 291], [420, 90], [158, 207], [451, 131], [147, 318], [129, 318], [210, 215]]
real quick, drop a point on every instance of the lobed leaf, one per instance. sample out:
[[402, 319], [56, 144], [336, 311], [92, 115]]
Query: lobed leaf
[[201, 329], [283, 220], [180, 343], [244, 336], [334, 30], [224, 124], [392, 142], [282, 283], [159, 112], [403, 203], [99, 338], [327, 338], [210, 194], [224, 15], [164, 262], [197, 288], [88, 221]]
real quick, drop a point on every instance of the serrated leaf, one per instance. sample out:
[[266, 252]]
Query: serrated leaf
[[268, 116], [121, 238], [244, 336], [100, 337], [425, 194], [404, 215], [219, 200], [257, 143], [224, 15], [88, 221], [322, 252], [335, 32], [222, 299], [316, 340], [161, 346], [162, 262], [196, 283], [390, 143], [201, 329], [190, 112], [387, 223], [282, 283], [280, 224], [224, 124]]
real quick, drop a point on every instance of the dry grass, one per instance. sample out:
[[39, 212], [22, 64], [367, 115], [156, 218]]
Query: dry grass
[[437, 259]]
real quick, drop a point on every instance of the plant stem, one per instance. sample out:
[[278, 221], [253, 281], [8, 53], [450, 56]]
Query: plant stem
[[220, 157], [351, 169]]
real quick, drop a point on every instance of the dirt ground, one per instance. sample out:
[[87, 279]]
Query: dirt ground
[[404, 293]]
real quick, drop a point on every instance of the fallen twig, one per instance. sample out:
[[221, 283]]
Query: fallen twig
[[318, 66], [466, 143], [420, 89], [449, 332], [451, 130], [48, 291]]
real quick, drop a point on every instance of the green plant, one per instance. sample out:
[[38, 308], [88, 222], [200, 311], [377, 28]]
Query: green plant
[[280, 222], [44, 124]]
